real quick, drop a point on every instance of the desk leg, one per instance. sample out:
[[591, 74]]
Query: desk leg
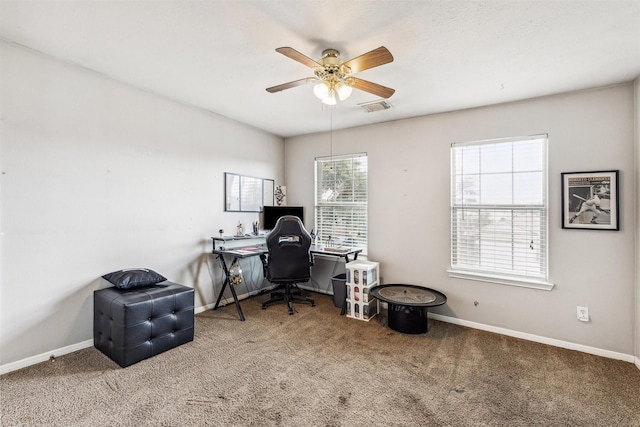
[[346, 257], [235, 298], [227, 281], [224, 282]]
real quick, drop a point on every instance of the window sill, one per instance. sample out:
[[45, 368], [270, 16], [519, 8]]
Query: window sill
[[501, 280]]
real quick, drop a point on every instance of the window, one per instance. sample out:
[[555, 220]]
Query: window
[[499, 211], [341, 200]]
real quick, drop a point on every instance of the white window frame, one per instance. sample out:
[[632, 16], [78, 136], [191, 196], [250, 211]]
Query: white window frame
[[355, 207], [470, 260]]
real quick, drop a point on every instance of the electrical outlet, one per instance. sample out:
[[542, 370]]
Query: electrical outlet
[[583, 314]]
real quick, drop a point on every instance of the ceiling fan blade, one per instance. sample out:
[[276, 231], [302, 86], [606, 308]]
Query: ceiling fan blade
[[374, 88], [289, 85], [297, 56], [376, 57]]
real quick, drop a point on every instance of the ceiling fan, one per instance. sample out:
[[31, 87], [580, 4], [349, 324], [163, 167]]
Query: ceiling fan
[[335, 76]]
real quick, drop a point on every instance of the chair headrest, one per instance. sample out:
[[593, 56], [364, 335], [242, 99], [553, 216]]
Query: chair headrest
[[289, 223], [288, 229]]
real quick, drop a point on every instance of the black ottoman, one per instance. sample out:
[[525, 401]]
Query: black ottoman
[[130, 325]]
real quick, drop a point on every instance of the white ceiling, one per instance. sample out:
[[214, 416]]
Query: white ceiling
[[220, 55]]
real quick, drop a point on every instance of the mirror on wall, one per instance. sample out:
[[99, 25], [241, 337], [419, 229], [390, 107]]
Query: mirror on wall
[[247, 193], [268, 192]]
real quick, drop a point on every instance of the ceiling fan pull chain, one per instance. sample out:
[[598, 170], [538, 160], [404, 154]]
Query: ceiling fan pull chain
[[333, 163]]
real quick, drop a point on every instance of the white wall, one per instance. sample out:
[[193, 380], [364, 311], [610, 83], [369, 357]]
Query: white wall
[[97, 176], [637, 146], [409, 211]]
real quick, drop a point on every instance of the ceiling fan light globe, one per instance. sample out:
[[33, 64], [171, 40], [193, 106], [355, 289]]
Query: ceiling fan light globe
[[321, 90], [344, 91], [330, 99]]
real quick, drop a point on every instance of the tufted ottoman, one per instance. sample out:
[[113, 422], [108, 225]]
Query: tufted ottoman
[[130, 325]]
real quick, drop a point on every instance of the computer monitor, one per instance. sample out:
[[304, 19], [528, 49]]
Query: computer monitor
[[271, 214]]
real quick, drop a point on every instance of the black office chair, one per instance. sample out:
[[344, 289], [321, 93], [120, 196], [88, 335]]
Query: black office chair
[[289, 262]]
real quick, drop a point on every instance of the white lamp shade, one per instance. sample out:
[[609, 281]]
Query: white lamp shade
[[321, 90], [344, 91], [330, 99]]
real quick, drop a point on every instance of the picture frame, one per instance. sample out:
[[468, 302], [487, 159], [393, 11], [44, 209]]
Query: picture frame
[[590, 200]]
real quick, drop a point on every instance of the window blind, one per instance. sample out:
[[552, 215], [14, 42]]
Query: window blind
[[499, 207], [341, 200]]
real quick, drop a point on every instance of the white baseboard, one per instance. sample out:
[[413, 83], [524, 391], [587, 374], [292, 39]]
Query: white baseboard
[[638, 362], [537, 338], [43, 357]]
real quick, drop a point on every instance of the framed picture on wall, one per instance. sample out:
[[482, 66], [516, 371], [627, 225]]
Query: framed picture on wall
[[590, 200]]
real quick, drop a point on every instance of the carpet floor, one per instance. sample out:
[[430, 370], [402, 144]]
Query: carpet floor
[[317, 368]]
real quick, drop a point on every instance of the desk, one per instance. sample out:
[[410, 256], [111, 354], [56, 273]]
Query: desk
[[240, 253], [337, 252], [224, 239], [236, 253]]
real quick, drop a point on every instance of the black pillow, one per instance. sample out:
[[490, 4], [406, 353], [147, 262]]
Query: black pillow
[[130, 278]]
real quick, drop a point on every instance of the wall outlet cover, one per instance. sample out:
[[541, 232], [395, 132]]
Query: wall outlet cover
[[583, 314]]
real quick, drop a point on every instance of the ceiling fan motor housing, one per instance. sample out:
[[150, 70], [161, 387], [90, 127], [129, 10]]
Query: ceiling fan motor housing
[[332, 68]]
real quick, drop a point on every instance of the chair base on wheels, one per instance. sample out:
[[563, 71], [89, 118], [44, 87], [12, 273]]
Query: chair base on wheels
[[288, 295]]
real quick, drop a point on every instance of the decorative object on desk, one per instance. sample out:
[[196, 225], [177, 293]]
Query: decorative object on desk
[[221, 231], [328, 242], [235, 274], [590, 200], [281, 195], [240, 230]]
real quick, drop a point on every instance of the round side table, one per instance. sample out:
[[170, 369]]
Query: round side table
[[408, 305]]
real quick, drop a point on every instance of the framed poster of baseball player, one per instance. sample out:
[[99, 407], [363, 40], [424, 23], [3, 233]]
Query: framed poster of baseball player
[[590, 200]]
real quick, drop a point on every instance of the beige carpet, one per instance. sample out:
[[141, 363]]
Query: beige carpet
[[316, 368]]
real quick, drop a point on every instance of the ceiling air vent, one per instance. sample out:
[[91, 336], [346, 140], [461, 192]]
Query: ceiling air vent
[[370, 107]]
